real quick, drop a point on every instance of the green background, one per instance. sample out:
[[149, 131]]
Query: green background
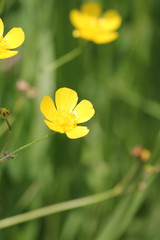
[[122, 81]]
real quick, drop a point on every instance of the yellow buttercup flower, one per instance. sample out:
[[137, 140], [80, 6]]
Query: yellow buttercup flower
[[13, 39], [91, 25], [65, 116]]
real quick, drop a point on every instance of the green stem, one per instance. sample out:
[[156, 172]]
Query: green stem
[[4, 147], [130, 174], [136, 100], [9, 126], [62, 60], [8, 137], [55, 208], [81, 202], [125, 211], [2, 160]]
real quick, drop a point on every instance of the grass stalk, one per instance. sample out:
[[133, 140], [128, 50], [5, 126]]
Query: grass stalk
[[55, 208]]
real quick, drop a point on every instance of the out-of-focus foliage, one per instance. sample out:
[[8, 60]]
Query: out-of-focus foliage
[[122, 81]]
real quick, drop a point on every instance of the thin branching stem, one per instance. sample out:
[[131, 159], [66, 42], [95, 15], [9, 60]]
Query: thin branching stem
[[9, 156], [72, 204], [62, 60], [55, 208]]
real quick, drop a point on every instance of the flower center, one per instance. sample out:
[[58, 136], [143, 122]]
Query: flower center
[[3, 45], [65, 121]]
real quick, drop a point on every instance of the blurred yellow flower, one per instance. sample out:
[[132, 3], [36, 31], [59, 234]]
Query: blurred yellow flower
[[145, 154], [13, 39], [93, 26], [141, 153], [66, 115]]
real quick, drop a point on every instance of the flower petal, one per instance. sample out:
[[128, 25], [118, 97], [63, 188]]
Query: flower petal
[[48, 108], [78, 19], [66, 99], [7, 54], [78, 132], [105, 38], [111, 20], [1, 27], [14, 38], [90, 8], [84, 111], [88, 35], [53, 126]]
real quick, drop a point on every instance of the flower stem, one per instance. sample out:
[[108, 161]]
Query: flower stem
[[72, 204], [62, 60], [2, 160], [55, 208], [9, 126], [7, 140]]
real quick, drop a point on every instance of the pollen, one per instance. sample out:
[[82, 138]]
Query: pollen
[[3, 45], [65, 121]]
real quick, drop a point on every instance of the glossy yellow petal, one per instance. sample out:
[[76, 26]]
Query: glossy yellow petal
[[105, 38], [1, 27], [7, 54], [14, 38], [111, 20], [53, 126], [78, 19], [48, 108], [66, 99], [78, 132], [97, 36], [84, 111], [88, 35], [93, 9]]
